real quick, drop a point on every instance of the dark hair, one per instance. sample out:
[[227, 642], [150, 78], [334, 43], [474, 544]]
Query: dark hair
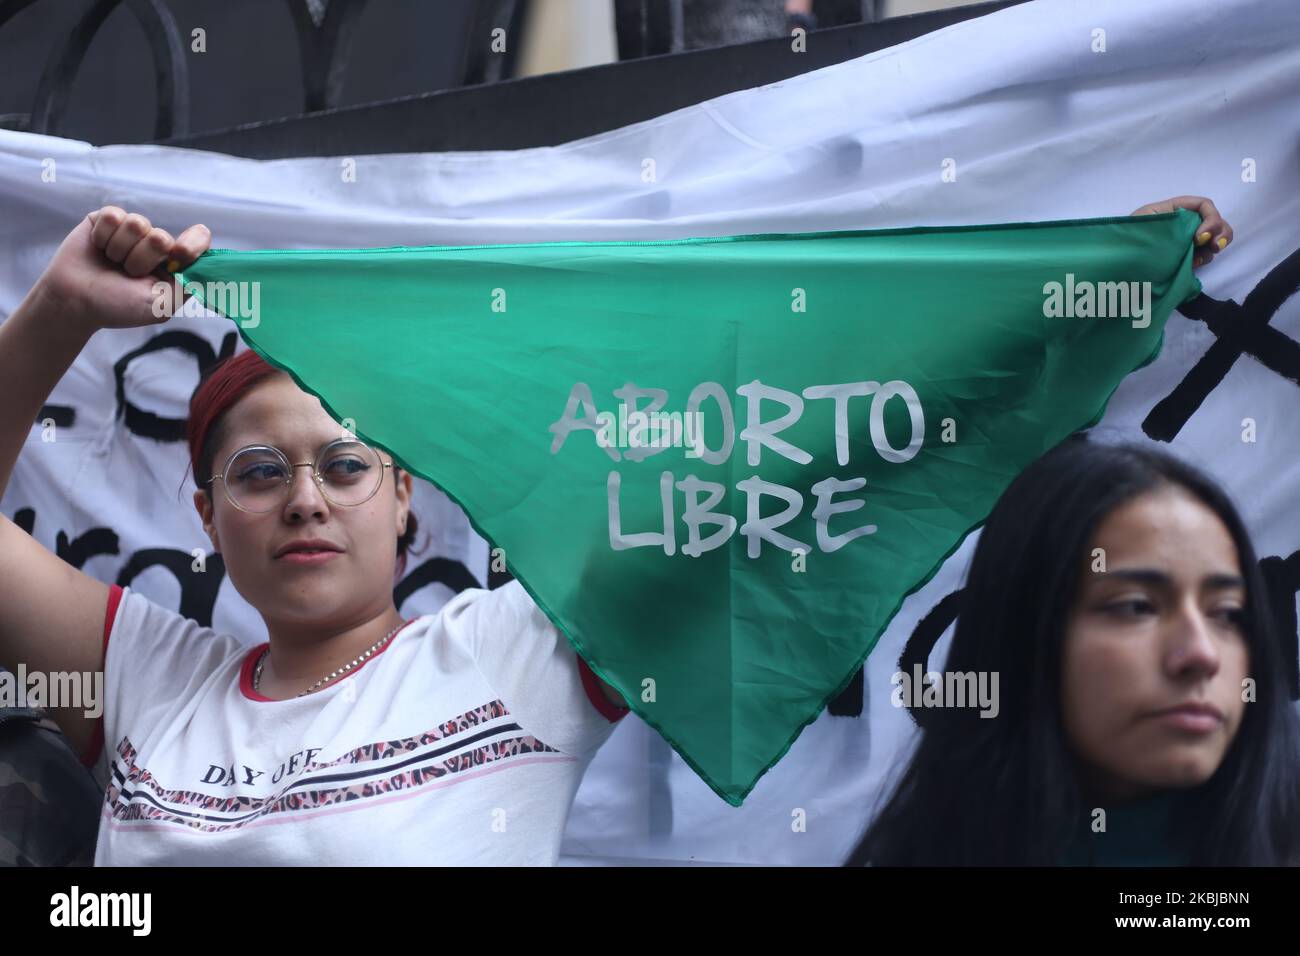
[[1006, 791], [222, 385]]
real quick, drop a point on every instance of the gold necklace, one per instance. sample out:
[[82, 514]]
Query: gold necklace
[[356, 661]]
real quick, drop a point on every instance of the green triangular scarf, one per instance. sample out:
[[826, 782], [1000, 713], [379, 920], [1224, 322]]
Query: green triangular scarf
[[960, 355]]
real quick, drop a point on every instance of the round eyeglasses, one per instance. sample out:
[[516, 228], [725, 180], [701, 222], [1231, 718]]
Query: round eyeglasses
[[257, 477]]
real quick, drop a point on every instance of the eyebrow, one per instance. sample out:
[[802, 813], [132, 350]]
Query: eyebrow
[[1161, 579], [246, 444]]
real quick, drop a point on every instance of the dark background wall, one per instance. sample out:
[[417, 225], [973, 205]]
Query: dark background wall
[[252, 70], [329, 77]]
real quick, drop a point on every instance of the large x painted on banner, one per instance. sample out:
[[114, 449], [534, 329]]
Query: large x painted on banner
[[1239, 330]]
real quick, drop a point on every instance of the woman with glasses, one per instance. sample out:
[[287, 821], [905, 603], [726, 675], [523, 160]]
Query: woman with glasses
[[352, 735]]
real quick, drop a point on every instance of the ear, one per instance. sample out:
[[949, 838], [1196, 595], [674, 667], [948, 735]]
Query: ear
[[405, 486], [203, 505]]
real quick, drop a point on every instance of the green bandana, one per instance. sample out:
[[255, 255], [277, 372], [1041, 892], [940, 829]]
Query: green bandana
[[720, 465]]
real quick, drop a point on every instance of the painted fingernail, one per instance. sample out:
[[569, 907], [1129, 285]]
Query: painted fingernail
[[1223, 242], [1203, 238], [173, 265], [1197, 261]]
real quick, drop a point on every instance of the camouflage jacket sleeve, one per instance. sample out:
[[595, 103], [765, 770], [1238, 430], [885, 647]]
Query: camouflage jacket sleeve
[[49, 802]]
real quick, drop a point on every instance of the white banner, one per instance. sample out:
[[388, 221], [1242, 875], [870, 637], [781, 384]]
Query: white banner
[[1048, 110]]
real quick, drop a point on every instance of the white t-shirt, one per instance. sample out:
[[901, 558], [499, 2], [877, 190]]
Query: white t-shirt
[[461, 742]]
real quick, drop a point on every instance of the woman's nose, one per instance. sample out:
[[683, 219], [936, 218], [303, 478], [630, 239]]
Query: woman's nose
[[304, 495], [1191, 645]]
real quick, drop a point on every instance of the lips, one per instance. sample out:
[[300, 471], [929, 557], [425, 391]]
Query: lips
[[1197, 718], [1208, 710], [307, 546]]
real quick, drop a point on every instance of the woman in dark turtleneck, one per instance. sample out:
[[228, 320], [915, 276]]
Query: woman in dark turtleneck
[[1145, 714]]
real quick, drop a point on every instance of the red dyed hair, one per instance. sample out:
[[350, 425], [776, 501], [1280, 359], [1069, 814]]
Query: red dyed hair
[[224, 384]]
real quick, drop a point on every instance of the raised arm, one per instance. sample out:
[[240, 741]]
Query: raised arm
[[51, 614]]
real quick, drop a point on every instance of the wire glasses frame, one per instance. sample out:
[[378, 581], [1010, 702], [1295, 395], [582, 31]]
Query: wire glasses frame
[[349, 487]]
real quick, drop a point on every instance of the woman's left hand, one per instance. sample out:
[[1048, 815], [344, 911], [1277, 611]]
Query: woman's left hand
[[1211, 238]]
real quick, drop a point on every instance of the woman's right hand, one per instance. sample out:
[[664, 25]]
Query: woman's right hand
[[103, 274]]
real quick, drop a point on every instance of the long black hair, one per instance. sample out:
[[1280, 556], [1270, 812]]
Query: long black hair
[[1006, 791]]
